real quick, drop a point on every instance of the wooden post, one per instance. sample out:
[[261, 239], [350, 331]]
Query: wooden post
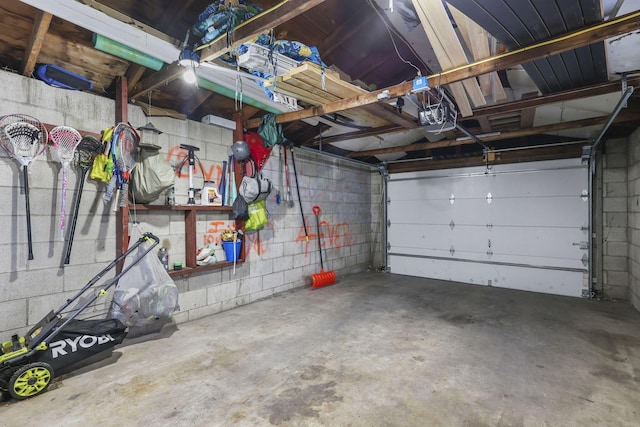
[[122, 215]]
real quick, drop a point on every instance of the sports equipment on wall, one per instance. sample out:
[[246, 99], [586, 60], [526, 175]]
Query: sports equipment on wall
[[24, 138], [124, 151], [86, 151], [65, 140]]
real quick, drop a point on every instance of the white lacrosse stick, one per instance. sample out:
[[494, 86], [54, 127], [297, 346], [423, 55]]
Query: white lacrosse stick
[[65, 140], [24, 138]]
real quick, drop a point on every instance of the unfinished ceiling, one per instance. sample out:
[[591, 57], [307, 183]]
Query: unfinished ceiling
[[535, 79]]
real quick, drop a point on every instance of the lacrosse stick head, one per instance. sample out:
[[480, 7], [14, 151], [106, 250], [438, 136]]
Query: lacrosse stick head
[[65, 139], [23, 137], [87, 150]]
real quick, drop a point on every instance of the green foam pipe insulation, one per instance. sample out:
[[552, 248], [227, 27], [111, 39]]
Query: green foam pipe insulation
[[214, 87], [125, 52]]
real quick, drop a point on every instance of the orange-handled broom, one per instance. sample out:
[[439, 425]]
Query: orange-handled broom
[[324, 278]]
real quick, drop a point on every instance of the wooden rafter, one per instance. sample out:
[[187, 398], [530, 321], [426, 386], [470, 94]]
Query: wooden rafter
[[556, 127], [477, 40], [39, 31], [524, 155], [448, 49], [621, 25]]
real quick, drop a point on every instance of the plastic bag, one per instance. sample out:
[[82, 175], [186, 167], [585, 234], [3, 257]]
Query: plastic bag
[[146, 294], [152, 176], [258, 216], [240, 209]]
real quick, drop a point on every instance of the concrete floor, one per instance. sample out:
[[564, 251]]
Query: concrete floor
[[372, 350]]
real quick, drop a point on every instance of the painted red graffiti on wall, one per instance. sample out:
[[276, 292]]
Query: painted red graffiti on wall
[[252, 241], [212, 172], [214, 231], [336, 236]]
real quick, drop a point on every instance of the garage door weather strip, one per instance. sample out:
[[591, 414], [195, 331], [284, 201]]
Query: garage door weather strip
[[508, 264]]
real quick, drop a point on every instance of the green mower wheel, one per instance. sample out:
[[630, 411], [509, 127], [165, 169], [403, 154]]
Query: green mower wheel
[[30, 380]]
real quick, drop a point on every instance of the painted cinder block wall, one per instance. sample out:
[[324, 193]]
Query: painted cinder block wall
[[279, 259], [614, 247], [633, 200]]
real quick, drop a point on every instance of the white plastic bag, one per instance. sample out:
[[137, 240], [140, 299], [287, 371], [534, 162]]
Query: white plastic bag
[[145, 294], [151, 176]]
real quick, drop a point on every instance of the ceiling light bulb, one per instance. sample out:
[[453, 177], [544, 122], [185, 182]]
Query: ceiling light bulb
[[189, 75]]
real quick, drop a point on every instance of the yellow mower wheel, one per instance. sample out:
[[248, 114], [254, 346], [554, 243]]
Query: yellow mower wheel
[[30, 380]]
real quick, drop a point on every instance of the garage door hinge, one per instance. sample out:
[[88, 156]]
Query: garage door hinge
[[452, 250], [583, 245], [388, 223]]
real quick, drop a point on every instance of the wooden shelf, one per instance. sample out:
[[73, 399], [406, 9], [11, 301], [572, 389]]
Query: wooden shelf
[[188, 271], [180, 208], [191, 246]]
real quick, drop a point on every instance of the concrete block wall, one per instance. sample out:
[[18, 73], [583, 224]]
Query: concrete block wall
[[278, 259], [615, 277], [633, 207]]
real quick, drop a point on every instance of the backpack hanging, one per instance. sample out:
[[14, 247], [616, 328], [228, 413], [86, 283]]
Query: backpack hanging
[[254, 186]]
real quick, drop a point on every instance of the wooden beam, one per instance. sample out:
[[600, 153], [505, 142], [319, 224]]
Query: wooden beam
[[527, 114], [162, 77], [134, 74], [552, 98], [243, 32], [197, 99], [525, 155], [39, 31], [360, 134], [601, 31], [556, 127], [271, 18], [122, 215], [448, 49], [477, 40], [389, 112], [151, 111]]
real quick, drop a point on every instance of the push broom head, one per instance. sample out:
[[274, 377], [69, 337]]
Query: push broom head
[[324, 278]]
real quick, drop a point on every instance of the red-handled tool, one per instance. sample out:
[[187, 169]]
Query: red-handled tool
[[324, 278]]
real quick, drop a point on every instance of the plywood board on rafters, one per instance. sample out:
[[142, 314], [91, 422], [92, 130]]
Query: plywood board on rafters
[[477, 40], [448, 49], [313, 85]]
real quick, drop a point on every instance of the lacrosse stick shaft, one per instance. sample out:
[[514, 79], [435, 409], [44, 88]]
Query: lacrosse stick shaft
[[25, 174], [74, 221]]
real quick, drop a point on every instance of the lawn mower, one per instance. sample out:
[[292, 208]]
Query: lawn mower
[[60, 339]]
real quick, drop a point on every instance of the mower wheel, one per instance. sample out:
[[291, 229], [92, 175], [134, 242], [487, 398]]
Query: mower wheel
[[30, 380]]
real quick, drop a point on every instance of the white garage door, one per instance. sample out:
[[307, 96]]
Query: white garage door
[[521, 226]]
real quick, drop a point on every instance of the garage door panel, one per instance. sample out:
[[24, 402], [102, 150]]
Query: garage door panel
[[538, 211], [556, 282], [542, 183], [533, 241], [527, 219]]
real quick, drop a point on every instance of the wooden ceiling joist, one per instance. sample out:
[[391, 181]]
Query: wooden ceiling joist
[[39, 31], [601, 31], [448, 51], [477, 40], [556, 127]]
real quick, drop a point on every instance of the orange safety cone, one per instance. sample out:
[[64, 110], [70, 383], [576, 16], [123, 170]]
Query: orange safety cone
[[324, 278]]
